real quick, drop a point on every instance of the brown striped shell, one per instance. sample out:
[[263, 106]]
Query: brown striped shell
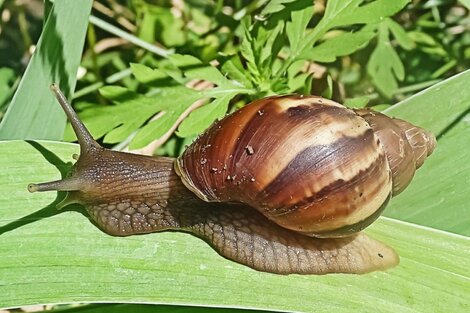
[[307, 163]]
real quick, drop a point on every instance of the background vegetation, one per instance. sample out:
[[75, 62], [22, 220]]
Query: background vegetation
[[144, 57], [149, 76]]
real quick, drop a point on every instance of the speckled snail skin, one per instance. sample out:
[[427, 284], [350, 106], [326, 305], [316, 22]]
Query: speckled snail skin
[[283, 185]]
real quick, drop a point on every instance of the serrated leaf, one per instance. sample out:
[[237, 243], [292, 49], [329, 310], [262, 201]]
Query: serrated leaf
[[340, 45], [174, 102], [204, 116], [247, 51], [296, 28], [234, 69], [267, 53], [114, 120], [400, 35], [169, 101], [33, 112], [384, 65], [348, 12], [298, 82], [194, 68], [147, 75]]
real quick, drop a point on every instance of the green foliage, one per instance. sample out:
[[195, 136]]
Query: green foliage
[[385, 66], [341, 44], [170, 99], [257, 69], [56, 59], [7, 76], [239, 52], [58, 261], [157, 73]]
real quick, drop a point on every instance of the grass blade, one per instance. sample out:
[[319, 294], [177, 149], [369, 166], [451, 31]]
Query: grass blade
[[33, 112]]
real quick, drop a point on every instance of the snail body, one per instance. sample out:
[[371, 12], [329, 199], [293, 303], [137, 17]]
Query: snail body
[[261, 184]]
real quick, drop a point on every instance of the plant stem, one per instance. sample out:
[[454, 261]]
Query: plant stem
[[129, 37]]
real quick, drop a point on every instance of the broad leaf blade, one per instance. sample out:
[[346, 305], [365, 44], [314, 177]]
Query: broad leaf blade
[[33, 113], [62, 257]]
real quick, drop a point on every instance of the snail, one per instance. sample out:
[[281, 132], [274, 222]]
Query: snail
[[283, 185]]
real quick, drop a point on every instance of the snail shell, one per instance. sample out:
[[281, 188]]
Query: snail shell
[[308, 164]]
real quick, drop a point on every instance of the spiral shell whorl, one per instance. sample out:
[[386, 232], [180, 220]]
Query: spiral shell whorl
[[309, 164], [422, 141], [405, 144]]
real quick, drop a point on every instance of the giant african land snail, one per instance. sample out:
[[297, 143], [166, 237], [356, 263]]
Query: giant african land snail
[[283, 185]]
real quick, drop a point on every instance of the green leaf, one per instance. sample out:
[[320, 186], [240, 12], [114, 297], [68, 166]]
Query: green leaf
[[350, 12], [247, 51], [267, 53], [274, 6], [33, 112], [465, 3], [427, 43], [328, 92], [159, 23], [204, 116], [400, 35], [173, 103], [59, 254], [384, 65], [358, 102], [194, 68], [147, 75], [113, 120], [438, 196], [295, 28], [343, 44], [234, 69]]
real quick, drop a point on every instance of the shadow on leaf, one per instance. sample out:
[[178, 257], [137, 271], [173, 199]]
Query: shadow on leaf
[[51, 209]]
